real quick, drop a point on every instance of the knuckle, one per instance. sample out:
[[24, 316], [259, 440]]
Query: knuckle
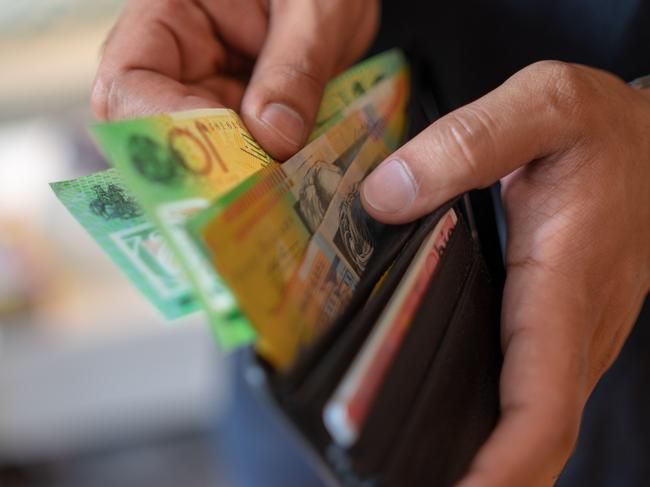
[[566, 89], [301, 72], [469, 140]]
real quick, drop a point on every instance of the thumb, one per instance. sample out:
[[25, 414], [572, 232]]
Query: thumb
[[531, 116], [298, 58]]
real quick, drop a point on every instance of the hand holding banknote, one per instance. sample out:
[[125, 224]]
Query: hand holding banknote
[[268, 60], [577, 193]]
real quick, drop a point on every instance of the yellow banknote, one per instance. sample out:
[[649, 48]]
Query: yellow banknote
[[259, 235]]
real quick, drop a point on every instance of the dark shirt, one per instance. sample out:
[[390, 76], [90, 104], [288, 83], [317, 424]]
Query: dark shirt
[[474, 45], [471, 47]]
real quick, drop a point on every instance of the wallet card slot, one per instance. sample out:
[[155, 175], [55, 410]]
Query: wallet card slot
[[461, 387], [404, 379], [304, 399], [365, 307], [394, 240]]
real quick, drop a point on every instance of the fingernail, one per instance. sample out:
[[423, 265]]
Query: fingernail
[[390, 188], [285, 121]]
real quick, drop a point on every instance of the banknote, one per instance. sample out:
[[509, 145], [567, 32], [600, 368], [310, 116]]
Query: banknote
[[178, 150], [175, 164], [259, 235], [102, 205], [350, 85]]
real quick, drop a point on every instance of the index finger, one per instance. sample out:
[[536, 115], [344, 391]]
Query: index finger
[[544, 383]]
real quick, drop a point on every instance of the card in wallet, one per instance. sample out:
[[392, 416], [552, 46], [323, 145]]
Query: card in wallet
[[403, 388]]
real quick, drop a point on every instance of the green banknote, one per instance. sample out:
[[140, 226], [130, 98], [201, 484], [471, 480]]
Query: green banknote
[[102, 205], [174, 165], [352, 84]]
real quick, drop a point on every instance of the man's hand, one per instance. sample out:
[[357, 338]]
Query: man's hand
[[268, 59], [572, 145]]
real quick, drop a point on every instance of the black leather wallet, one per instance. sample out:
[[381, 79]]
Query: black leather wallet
[[439, 398]]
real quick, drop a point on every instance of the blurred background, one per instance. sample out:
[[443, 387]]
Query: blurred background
[[95, 387]]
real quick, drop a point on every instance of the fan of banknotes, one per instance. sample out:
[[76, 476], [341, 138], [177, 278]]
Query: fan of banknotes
[[198, 216]]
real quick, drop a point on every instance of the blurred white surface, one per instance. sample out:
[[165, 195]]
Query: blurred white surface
[[87, 363], [49, 50], [65, 395]]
